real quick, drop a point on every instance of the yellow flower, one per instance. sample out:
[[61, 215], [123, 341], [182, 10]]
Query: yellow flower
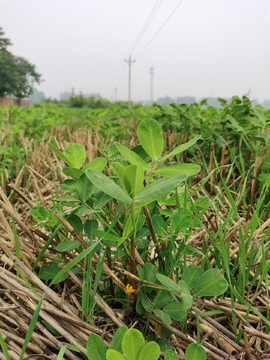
[[130, 289], [226, 151]]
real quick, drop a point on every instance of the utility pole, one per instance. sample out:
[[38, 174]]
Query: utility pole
[[115, 94], [129, 61], [151, 83]]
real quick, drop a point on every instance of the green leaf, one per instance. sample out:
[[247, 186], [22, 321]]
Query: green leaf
[[202, 202], [85, 187], [114, 355], [132, 344], [63, 349], [68, 199], [131, 156], [83, 210], [4, 347], [138, 149], [67, 246], [98, 164], [48, 272], [75, 261], [68, 185], [150, 272], [190, 169], [59, 154], [164, 345], [89, 227], [116, 343], [105, 236], [165, 333], [258, 111], [180, 221], [140, 222], [76, 222], [169, 283], [211, 283], [163, 316], [181, 148], [151, 351], [139, 308], [172, 200], [147, 305], [76, 154], [133, 177], [119, 170], [39, 213], [127, 228], [31, 327], [203, 102], [191, 275], [108, 186], [100, 199], [263, 138], [142, 243], [163, 299], [151, 137], [159, 188], [159, 225], [187, 299], [95, 348], [234, 124], [140, 271], [73, 172], [170, 355], [176, 310], [195, 352]]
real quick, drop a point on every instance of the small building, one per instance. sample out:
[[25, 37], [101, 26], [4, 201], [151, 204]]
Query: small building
[[16, 102]]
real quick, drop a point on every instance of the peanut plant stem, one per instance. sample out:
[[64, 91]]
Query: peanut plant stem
[[132, 256]]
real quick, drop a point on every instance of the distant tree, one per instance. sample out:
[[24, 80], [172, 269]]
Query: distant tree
[[8, 78], [17, 75], [77, 101], [4, 42], [26, 76]]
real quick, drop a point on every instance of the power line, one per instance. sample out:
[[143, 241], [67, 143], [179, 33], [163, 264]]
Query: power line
[[146, 25], [151, 83], [153, 38]]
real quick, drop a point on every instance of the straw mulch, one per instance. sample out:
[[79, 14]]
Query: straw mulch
[[61, 308]]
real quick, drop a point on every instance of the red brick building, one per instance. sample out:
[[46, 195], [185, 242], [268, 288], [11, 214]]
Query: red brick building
[[16, 102]]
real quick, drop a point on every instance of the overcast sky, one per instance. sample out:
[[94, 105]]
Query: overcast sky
[[216, 48]]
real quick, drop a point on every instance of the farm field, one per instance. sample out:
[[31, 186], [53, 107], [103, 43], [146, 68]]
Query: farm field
[[155, 219]]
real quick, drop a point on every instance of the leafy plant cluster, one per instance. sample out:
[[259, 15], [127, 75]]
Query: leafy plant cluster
[[125, 345], [79, 101], [89, 192], [238, 133], [114, 200]]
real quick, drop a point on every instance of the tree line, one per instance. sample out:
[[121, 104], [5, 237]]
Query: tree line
[[17, 75]]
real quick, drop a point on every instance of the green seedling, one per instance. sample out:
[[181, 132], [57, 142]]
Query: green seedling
[[131, 191]]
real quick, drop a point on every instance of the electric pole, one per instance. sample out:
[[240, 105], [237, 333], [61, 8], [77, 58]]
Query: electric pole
[[129, 61], [151, 83], [115, 94]]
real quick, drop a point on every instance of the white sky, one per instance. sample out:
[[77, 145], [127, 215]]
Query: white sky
[[216, 48]]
